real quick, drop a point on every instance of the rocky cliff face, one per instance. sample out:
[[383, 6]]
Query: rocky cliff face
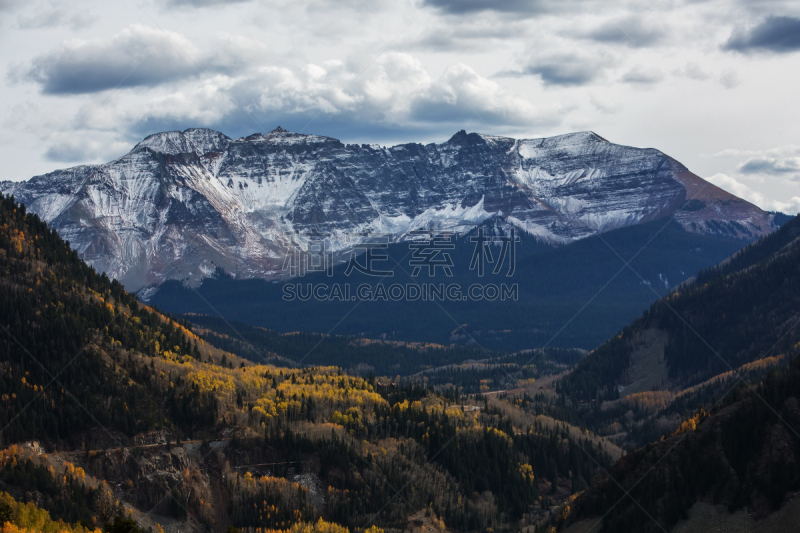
[[182, 204]]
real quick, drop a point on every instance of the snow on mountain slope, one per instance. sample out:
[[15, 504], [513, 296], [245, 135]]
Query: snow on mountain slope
[[182, 204]]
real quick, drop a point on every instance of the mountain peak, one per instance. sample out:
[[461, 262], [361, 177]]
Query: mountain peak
[[280, 132], [193, 140], [462, 137], [576, 137], [283, 136]]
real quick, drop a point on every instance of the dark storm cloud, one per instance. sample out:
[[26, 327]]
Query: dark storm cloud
[[643, 76], [628, 31], [528, 7], [770, 165], [138, 56], [774, 34], [562, 69]]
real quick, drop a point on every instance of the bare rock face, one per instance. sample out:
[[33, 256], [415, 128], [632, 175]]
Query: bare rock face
[[182, 204]]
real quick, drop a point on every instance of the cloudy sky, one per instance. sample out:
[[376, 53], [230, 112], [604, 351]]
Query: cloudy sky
[[715, 84]]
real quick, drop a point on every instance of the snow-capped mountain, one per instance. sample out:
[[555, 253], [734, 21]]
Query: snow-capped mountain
[[181, 204]]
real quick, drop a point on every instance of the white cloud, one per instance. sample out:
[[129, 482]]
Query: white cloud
[[205, 106], [461, 93], [770, 178], [738, 188], [789, 204], [395, 89]]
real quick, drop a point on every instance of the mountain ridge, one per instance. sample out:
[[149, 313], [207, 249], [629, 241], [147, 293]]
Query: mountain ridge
[[181, 204]]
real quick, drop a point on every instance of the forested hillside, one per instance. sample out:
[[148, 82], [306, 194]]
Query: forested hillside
[[68, 339], [743, 455], [737, 313]]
